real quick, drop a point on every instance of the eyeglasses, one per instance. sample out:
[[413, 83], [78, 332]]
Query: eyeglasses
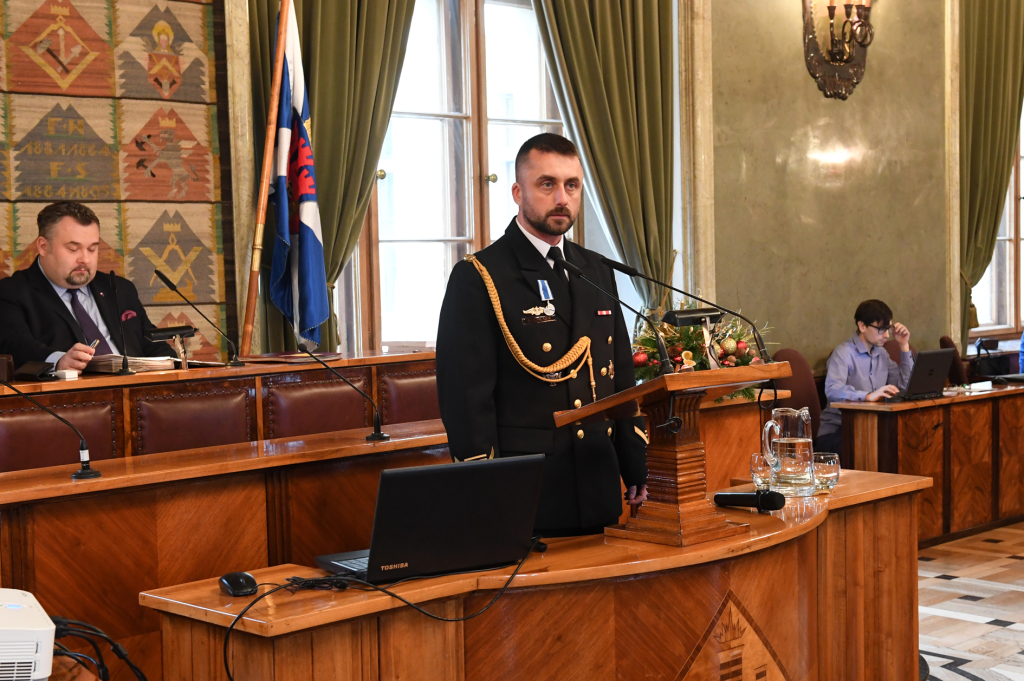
[[882, 329]]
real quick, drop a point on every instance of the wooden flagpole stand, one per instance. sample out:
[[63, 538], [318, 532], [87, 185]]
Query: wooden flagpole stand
[[251, 298]]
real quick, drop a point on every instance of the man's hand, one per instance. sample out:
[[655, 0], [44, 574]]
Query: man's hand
[[76, 358], [634, 498], [881, 393], [902, 336]]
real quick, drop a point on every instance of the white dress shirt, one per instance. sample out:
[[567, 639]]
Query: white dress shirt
[[543, 246], [84, 297]]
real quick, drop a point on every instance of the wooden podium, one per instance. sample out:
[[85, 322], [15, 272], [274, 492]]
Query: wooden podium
[[677, 511]]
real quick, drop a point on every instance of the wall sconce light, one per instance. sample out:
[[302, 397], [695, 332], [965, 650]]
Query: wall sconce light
[[841, 67]]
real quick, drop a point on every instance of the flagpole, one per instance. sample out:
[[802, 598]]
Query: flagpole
[[268, 167]]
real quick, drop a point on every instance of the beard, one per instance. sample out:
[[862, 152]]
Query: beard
[[541, 224], [78, 278]]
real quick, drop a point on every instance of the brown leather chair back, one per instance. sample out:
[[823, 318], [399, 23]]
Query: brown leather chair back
[[220, 415], [318, 406], [892, 346], [957, 371], [409, 395], [31, 438], [800, 384]]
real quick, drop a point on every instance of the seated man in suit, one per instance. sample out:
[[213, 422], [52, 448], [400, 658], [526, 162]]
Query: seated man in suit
[[860, 369], [55, 309]]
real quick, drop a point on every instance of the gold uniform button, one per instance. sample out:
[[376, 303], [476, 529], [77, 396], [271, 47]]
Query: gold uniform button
[[578, 404], [609, 432], [609, 340], [579, 434], [604, 371], [546, 347]]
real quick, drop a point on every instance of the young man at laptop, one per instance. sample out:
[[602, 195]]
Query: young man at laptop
[[860, 369]]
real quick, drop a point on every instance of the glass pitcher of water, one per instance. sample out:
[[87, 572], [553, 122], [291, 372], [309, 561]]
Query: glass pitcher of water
[[786, 446]]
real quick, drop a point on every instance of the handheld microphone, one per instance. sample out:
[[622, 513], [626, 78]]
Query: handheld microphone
[[763, 500], [125, 371], [83, 473], [633, 272], [233, 357], [376, 435], [665, 366]]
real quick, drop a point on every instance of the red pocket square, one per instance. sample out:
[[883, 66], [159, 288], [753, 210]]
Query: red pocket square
[[128, 314]]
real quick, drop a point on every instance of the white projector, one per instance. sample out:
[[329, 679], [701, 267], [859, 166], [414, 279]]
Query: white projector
[[26, 637]]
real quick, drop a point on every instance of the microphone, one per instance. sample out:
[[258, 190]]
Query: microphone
[[83, 473], [376, 435], [763, 500], [665, 366], [633, 272], [125, 371], [233, 357]]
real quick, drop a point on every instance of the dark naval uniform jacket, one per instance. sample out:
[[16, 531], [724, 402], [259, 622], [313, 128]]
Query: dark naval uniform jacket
[[491, 406]]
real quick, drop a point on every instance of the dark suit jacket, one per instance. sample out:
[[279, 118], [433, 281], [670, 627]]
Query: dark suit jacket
[[35, 322], [490, 403]]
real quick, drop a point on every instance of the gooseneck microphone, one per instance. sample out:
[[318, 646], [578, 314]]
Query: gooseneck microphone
[[83, 473], [665, 366], [125, 370], [376, 435], [233, 360], [763, 500], [633, 272]]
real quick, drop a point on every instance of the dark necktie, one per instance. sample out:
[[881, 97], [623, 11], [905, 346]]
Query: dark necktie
[[555, 253], [89, 328]]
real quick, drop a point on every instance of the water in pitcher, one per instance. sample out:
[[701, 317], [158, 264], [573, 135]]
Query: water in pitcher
[[793, 477]]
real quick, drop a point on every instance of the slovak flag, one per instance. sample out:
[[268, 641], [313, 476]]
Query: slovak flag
[[298, 278]]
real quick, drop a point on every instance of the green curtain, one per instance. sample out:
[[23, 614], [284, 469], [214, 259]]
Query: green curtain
[[352, 53], [611, 68], [991, 91]]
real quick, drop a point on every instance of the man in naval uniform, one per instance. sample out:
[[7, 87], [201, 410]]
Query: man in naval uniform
[[495, 401]]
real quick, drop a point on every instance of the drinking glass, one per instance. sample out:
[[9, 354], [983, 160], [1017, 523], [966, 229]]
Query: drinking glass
[[826, 471], [760, 471]]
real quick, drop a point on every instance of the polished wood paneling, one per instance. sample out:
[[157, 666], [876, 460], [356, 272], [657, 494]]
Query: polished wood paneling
[[333, 502], [867, 592], [1011, 457], [970, 464], [416, 648], [730, 435], [920, 445]]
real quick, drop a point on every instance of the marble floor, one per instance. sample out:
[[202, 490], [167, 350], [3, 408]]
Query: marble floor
[[971, 606]]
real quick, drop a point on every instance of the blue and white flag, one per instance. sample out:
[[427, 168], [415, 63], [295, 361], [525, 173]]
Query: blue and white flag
[[298, 278]]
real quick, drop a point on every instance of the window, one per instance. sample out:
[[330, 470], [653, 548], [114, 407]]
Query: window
[[997, 296], [474, 87]]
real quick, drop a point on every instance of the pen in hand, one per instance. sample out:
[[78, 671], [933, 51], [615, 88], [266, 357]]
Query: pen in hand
[[94, 343]]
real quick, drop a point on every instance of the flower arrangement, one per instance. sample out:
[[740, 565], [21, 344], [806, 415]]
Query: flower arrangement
[[732, 342]]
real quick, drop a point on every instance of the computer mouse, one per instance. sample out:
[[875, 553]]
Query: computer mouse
[[238, 584]]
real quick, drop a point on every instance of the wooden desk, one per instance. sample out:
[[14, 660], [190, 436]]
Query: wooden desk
[[971, 445], [824, 589]]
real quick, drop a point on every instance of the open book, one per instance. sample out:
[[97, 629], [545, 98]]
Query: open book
[[111, 364]]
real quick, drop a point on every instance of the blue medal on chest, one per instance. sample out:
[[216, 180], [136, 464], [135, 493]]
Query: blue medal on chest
[[546, 296]]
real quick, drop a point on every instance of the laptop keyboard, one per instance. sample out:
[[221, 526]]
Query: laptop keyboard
[[354, 564]]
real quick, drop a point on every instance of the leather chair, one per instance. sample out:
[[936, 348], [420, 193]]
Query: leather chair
[[309, 407], [957, 371], [177, 421], [31, 438], [892, 346], [801, 385], [409, 396]]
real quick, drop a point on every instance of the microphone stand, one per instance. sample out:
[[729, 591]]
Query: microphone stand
[[633, 272], [233, 360], [665, 366], [376, 435], [125, 370], [83, 473]]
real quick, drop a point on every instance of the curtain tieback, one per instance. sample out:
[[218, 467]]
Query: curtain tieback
[[966, 280]]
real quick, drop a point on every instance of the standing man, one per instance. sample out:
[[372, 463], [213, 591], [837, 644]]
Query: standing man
[[55, 309], [506, 364], [860, 370]]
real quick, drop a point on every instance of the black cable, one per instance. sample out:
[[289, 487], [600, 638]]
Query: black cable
[[102, 671], [227, 634], [775, 396], [118, 650], [77, 657]]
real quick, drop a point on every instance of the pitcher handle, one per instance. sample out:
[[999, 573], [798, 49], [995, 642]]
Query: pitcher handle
[[766, 445]]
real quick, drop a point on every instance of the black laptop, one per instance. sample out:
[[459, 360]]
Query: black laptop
[[457, 517], [928, 377]]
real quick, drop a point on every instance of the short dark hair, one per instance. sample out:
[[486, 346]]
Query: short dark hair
[[547, 142], [873, 312], [53, 213]]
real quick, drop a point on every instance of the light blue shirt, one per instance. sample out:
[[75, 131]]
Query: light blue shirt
[[84, 297], [854, 370]]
